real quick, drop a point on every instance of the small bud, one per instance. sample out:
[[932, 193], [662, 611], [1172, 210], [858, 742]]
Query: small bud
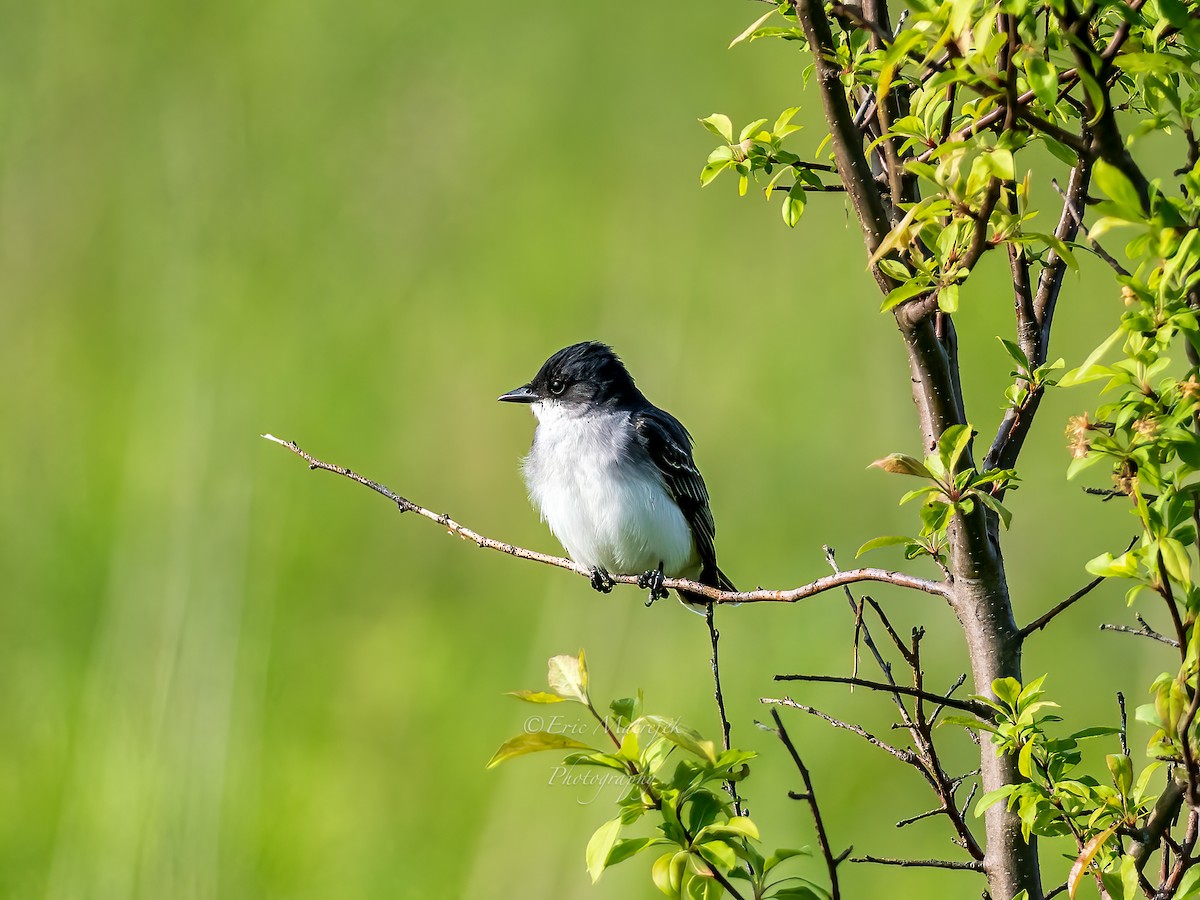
[[1129, 295], [1190, 388]]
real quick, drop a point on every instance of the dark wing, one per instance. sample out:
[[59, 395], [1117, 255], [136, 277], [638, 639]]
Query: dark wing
[[670, 447]]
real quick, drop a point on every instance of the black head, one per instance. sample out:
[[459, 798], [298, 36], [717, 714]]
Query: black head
[[587, 374]]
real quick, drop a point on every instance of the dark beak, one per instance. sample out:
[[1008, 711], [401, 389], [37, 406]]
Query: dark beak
[[523, 394]]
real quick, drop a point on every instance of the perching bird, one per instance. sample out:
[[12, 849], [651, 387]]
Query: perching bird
[[613, 475]]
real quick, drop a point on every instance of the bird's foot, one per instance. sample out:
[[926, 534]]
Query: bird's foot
[[653, 580], [601, 581]]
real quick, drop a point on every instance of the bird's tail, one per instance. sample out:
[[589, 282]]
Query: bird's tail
[[713, 577]]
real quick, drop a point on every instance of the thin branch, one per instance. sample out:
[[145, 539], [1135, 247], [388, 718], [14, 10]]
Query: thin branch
[[1042, 621], [928, 814], [716, 595], [1144, 631], [905, 756], [1095, 245], [968, 866], [848, 153], [831, 862], [958, 682], [1124, 724], [967, 706], [710, 612]]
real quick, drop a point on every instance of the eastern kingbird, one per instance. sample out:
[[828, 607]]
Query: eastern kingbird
[[613, 475]]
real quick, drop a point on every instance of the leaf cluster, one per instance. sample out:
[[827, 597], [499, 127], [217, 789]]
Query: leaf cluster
[[674, 778]]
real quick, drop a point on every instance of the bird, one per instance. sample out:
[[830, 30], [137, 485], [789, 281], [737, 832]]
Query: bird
[[614, 477]]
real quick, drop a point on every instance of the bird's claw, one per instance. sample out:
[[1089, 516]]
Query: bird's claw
[[601, 581], [653, 580]]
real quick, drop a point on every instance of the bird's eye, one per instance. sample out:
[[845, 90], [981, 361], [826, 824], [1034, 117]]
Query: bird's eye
[[557, 386]]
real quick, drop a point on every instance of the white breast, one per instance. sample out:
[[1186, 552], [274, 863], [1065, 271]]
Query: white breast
[[608, 507]]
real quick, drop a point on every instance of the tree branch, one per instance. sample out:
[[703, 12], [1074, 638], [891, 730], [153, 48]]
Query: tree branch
[[710, 613], [1042, 621], [716, 595], [1144, 631], [968, 866], [967, 706], [831, 862], [848, 153], [905, 756]]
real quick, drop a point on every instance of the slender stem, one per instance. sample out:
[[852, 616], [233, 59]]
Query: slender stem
[[968, 866], [715, 637], [831, 862], [968, 706], [1043, 620]]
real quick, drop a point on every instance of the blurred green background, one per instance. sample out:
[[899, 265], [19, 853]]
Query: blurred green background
[[354, 225]]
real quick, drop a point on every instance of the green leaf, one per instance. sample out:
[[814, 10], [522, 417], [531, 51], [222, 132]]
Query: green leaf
[[713, 169], [1017, 354], [952, 444], [739, 826], [1121, 767], [532, 743], [626, 849], [895, 269], [793, 204], [748, 130], [754, 26], [1008, 690], [902, 464], [1058, 245], [1107, 566], [947, 298], [536, 696], [995, 506], [660, 873], [797, 892], [600, 846], [904, 292], [1043, 80], [991, 798], [1175, 558], [1117, 185], [626, 709], [1084, 373], [780, 855], [720, 125], [567, 676], [679, 735], [1025, 759], [782, 127], [887, 540], [719, 854]]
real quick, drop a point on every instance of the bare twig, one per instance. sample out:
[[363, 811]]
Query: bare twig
[[1144, 631], [716, 595], [1124, 724], [968, 866], [968, 706], [906, 756], [1044, 620], [928, 814], [831, 862], [715, 636]]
